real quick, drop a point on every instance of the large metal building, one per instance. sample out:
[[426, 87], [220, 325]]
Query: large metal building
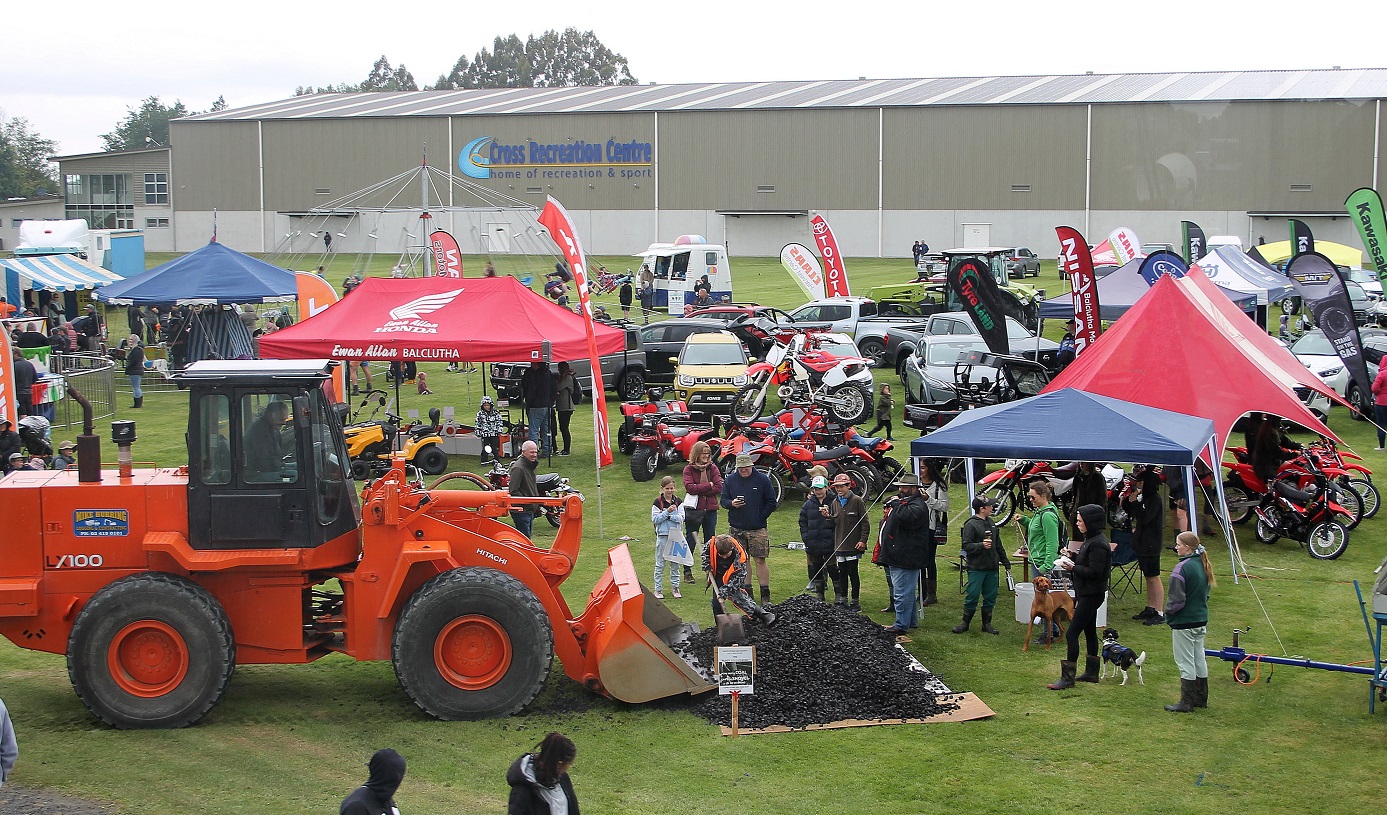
[[952, 161]]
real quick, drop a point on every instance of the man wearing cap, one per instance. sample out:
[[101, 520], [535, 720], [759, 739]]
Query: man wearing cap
[[490, 425], [816, 530], [9, 443], [1066, 351], [850, 532], [65, 457], [905, 538], [749, 498], [982, 547]]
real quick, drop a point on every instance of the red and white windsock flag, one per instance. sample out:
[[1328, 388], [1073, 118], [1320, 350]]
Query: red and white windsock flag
[[835, 274], [555, 219], [1077, 263], [447, 257]]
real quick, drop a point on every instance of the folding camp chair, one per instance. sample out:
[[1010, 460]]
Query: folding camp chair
[[1125, 571]]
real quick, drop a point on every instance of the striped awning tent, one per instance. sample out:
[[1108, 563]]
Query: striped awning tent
[[219, 334], [52, 273]]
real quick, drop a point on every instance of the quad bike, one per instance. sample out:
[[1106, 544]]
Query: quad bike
[[660, 441], [371, 443], [636, 411], [804, 376]]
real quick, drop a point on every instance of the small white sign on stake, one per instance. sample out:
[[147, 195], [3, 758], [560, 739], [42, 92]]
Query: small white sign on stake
[[736, 669]]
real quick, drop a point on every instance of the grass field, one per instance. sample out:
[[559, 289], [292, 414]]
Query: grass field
[[290, 739]]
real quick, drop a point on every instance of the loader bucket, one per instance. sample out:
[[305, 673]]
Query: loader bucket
[[634, 637]]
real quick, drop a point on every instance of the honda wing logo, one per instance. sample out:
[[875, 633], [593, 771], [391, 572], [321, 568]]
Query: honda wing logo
[[407, 318]]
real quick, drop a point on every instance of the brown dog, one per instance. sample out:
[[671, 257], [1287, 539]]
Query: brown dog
[[1049, 607]]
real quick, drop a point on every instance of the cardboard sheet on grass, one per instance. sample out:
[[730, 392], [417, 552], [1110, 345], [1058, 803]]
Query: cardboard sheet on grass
[[970, 707]]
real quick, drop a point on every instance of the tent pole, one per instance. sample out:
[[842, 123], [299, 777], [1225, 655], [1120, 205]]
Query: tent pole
[[1226, 522], [1191, 505], [599, 425]]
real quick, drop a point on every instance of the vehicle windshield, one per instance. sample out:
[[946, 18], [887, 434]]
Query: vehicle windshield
[[1016, 331], [837, 347], [943, 354], [1313, 343], [713, 353], [1355, 292], [1360, 276]]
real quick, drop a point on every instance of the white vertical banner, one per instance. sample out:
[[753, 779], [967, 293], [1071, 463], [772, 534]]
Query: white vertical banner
[[804, 267]]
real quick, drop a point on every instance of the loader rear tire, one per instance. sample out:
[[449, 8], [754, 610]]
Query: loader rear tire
[[151, 650], [473, 644]]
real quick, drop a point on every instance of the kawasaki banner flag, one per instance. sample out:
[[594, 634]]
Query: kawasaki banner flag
[[1322, 290], [972, 278], [1301, 239], [555, 219], [1365, 207], [1076, 262], [1195, 245]]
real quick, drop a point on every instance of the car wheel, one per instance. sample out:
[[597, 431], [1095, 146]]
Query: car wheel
[[633, 385], [875, 351], [1362, 406], [1290, 305]]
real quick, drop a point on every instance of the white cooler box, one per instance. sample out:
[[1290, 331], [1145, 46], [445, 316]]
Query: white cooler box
[[1025, 595]]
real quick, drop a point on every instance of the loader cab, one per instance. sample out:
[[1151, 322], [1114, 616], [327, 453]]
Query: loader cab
[[267, 465]]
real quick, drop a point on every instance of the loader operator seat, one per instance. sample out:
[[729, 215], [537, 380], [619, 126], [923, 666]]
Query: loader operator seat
[[267, 459]]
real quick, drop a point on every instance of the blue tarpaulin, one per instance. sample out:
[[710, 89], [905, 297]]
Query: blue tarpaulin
[[1070, 425], [1119, 291], [213, 274]]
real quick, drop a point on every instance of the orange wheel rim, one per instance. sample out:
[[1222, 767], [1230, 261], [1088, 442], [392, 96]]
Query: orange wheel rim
[[472, 652], [147, 658]]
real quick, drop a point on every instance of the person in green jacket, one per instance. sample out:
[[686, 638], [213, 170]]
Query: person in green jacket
[[1187, 614], [1042, 530], [982, 546]]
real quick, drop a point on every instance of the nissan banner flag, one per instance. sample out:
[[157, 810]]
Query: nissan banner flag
[[800, 262], [555, 219], [836, 276], [1076, 262], [447, 257], [1317, 282]]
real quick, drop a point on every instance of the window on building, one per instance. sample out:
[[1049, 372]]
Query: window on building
[[16, 222], [103, 200], [125, 221], [156, 223], [156, 188]]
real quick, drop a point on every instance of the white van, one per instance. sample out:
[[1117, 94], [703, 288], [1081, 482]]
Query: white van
[[677, 267]]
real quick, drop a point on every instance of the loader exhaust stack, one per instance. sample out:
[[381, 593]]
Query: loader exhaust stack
[[88, 444]]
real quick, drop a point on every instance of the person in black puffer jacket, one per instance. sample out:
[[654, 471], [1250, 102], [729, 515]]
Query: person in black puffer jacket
[[377, 795], [1089, 571], [816, 527], [539, 782]]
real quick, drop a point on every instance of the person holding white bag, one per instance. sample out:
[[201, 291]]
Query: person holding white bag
[[667, 514]]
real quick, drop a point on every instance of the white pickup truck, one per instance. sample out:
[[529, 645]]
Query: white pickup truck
[[856, 317]]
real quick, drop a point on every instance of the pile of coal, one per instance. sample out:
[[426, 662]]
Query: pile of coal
[[822, 664]]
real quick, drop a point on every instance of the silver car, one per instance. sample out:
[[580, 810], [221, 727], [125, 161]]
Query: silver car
[[928, 376]]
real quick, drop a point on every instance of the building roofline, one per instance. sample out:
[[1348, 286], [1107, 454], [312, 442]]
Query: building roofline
[[103, 153]]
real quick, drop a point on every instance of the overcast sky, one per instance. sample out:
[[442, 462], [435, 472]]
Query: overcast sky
[[74, 74]]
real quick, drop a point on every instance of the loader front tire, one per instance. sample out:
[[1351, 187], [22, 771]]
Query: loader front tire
[[473, 643], [151, 650]]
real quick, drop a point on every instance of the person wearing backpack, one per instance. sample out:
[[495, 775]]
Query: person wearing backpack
[[1043, 531]]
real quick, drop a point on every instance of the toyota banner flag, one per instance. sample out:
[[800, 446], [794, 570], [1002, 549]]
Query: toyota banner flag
[[977, 288], [1317, 282], [555, 219], [1077, 264], [835, 273], [447, 257], [800, 262]]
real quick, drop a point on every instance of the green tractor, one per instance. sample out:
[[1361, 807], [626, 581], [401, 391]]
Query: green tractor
[[922, 298]]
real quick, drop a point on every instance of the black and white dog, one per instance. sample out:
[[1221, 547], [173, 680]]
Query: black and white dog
[[1120, 657]]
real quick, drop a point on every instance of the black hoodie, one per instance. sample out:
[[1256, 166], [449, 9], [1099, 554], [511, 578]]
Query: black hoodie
[[526, 796], [376, 796]]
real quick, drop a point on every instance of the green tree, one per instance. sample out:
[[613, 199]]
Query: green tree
[[145, 125], [454, 80], [385, 78], [24, 165], [505, 66], [575, 58]]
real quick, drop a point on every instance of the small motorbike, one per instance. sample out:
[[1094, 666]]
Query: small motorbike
[[786, 462], [551, 485], [1244, 490], [1008, 486], [1310, 516], [802, 375]]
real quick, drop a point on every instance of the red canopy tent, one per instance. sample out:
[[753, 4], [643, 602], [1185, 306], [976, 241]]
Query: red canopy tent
[[1169, 352], [441, 319]]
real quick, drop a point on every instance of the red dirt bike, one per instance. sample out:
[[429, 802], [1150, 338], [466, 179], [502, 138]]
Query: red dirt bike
[[803, 376], [1008, 486], [1355, 475], [787, 463], [1244, 490], [1310, 516]]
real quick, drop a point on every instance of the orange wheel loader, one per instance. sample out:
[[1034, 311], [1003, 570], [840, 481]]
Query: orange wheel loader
[[156, 582]]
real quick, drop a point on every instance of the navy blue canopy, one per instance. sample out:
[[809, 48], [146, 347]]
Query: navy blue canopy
[[213, 275], [1120, 290], [1070, 425]]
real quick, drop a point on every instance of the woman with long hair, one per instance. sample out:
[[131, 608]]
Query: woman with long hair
[[539, 782], [703, 480], [565, 397], [1187, 614]]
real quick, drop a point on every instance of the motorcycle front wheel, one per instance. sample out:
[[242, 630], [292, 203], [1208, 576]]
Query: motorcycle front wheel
[[851, 403], [1327, 540], [1006, 507], [749, 404], [1368, 492], [1269, 531]]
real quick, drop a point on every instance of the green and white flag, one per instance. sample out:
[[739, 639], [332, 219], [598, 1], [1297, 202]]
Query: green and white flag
[[1365, 207]]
